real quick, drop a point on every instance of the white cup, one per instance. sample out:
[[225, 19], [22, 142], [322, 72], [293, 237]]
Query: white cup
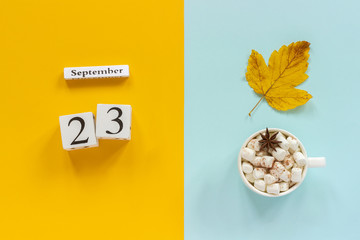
[[311, 162]]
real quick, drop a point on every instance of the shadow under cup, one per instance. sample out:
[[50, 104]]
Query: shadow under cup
[[318, 162]]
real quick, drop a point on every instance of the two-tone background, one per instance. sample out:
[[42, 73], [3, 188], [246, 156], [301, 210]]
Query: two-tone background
[[177, 178]]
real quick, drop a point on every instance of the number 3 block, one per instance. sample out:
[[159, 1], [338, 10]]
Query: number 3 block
[[113, 121], [78, 131]]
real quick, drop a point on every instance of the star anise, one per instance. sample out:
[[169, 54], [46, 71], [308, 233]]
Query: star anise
[[268, 142]]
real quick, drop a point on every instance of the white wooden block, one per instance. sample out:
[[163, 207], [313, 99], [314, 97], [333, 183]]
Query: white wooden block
[[113, 71], [78, 131], [113, 121]]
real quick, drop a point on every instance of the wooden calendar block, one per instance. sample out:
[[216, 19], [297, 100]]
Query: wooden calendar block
[[78, 131], [113, 121], [96, 72]]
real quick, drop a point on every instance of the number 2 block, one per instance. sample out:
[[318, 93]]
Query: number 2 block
[[113, 121], [78, 131]]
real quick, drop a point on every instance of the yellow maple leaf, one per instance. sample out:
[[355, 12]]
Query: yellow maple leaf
[[276, 82]]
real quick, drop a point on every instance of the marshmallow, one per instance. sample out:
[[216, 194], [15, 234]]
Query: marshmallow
[[284, 143], [288, 162], [259, 173], [260, 184], [293, 144], [284, 186], [296, 174], [297, 166], [273, 188], [247, 167], [248, 154], [297, 150], [269, 179], [254, 144], [262, 154], [256, 162], [285, 176], [267, 161], [280, 135], [277, 169], [279, 154], [250, 177], [299, 159]]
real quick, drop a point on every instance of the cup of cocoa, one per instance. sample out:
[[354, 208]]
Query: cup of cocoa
[[273, 162]]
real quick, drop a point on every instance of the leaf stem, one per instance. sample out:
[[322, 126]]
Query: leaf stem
[[256, 105]]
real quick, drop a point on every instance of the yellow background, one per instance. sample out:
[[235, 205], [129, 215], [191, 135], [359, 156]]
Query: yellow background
[[121, 190]]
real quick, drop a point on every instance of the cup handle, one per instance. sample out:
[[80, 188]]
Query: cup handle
[[316, 162]]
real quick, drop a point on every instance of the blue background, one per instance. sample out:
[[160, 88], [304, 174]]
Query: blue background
[[219, 37]]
